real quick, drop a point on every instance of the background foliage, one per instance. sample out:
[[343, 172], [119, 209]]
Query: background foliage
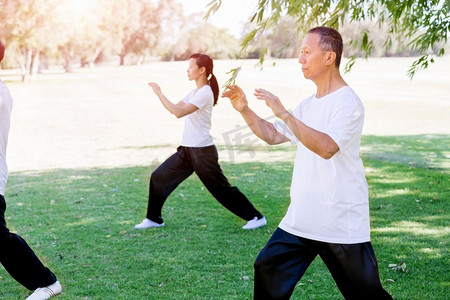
[[420, 25], [42, 33], [39, 33]]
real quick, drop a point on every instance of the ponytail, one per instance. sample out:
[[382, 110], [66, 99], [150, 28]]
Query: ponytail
[[206, 61], [2, 51], [215, 87]]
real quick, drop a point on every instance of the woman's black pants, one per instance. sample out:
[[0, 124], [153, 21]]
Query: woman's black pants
[[204, 162], [285, 258], [18, 258]]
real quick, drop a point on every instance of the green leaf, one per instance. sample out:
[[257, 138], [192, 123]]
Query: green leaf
[[260, 16], [262, 54], [234, 72], [213, 8], [350, 62], [248, 38]]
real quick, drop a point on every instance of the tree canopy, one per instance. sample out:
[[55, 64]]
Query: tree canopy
[[422, 24], [38, 33]]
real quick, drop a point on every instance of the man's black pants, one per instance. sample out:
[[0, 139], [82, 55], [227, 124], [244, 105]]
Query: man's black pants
[[18, 258], [285, 258], [204, 162]]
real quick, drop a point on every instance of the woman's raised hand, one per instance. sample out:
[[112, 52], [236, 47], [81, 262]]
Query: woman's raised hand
[[155, 87]]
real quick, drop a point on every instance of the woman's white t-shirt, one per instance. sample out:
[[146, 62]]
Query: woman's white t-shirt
[[5, 115], [329, 198], [198, 124]]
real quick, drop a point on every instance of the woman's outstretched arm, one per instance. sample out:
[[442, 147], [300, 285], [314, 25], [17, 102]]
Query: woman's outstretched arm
[[179, 109]]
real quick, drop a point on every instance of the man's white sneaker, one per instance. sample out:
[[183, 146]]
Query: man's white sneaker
[[46, 292], [146, 223], [255, 223]]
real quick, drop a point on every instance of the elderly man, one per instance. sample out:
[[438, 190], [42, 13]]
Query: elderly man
[[329, 210], [15, 254]]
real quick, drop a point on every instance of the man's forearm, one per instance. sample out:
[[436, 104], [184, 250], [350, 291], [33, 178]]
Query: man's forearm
[[260, 127], [316, 141]]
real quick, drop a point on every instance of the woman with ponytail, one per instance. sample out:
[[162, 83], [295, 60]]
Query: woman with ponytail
[[197, 152]]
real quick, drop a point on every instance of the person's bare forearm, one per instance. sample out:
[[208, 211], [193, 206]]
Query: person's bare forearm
[[316, 141], [179, 110], [171, 107], [262, 128]]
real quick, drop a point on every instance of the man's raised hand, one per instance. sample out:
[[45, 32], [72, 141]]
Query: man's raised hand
[[237, 97], [272, 101]]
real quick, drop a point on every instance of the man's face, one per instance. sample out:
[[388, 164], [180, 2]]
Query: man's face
[[312, 57]]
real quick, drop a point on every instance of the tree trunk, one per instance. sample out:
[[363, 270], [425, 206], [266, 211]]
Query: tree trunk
[[34, 64], [94, 57], [67, 55], [25, 65]]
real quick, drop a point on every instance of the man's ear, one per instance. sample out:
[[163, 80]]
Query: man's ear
[[330, 57]]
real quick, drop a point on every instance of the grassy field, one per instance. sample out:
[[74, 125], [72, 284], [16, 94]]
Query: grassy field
[[82, 146], [81, 223]]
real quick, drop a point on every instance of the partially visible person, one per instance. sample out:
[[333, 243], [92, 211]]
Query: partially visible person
[[329, 211], [197, 152], [16, 256]]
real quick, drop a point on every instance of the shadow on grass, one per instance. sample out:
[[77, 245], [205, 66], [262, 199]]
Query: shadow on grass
[[81, 223], [425, 151]]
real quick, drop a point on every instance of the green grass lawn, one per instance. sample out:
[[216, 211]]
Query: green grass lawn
[[81, 223]]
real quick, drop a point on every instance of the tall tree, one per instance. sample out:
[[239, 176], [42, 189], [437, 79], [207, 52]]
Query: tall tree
[[425, 22], [79, 34], [195, 35], [135, 25], [25, 26]]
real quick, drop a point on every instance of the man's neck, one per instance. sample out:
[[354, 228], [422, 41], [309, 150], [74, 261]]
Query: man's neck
[[329, 83]]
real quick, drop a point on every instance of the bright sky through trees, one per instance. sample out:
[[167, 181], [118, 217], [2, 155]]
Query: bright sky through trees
[[232, 15], [78, 8]]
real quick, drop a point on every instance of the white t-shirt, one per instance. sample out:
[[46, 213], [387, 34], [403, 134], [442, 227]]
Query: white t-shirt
[[198, 124], [5, 116], [329, 198]]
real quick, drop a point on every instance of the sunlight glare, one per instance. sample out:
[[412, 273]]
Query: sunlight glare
[[79, 7]]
